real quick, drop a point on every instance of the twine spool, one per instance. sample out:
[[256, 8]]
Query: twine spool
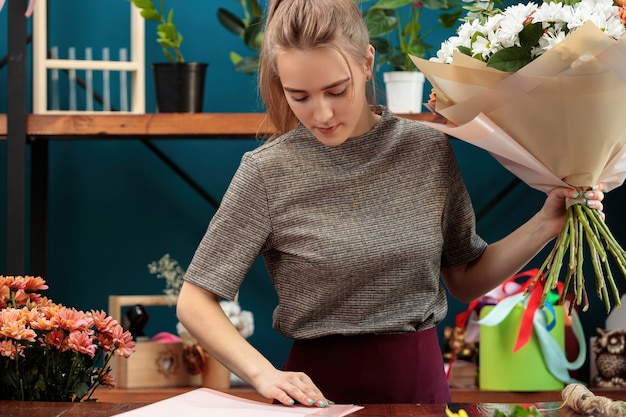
[[583, 401]]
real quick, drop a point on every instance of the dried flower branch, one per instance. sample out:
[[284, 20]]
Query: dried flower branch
[[168, 269]]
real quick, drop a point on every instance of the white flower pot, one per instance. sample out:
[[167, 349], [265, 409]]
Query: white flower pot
[[404, 91]]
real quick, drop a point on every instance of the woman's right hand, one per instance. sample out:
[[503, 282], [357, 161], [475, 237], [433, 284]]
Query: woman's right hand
[[290, 387], [200, 312]]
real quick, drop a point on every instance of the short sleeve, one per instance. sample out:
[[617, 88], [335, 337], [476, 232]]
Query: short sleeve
[[235, 236], [461, 243]]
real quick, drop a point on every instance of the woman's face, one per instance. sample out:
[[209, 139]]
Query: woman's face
[[323, 94]]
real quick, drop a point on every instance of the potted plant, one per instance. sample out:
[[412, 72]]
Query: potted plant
[[396, 32], [179, 84], [249, 28]]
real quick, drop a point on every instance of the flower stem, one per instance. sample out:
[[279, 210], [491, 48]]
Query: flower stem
[[583, 226]]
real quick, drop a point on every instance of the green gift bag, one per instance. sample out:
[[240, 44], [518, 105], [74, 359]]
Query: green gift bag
[[540, 364]]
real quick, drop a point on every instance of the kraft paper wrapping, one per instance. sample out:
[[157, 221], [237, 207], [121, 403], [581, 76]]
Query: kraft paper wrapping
[[557, 121]]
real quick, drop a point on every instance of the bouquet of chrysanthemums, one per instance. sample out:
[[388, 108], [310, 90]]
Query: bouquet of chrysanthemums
[[49, 352], [540, 86]]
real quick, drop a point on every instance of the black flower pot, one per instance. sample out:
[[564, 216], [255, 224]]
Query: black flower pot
[[179, 86]]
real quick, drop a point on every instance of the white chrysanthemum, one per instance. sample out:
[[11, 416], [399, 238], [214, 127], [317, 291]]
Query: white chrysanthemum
[[520, 12], [550, 12], [493, 23], [615, 28], [603, 8], [484, 46], [444, 54], [548, 40], [463, 38], [502, 30], [467, 30]]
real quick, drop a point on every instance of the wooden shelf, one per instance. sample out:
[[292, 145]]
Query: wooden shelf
[[133, 126], [153, 126]]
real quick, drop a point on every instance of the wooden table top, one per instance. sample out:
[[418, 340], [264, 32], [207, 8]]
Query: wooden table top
[[104, 409]]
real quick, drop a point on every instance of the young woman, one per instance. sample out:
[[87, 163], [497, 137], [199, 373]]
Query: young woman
[[362, 217]]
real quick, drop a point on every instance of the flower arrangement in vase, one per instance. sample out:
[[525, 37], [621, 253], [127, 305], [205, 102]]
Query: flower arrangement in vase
[[49, 352]]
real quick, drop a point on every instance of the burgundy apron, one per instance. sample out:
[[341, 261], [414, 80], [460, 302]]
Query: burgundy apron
[[376, 369]]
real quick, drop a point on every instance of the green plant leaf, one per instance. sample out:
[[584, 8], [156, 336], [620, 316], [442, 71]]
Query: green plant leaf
[[231, 22], [449, 20], [167, 35], [255, 9], [390, 4], [418, 49], [465, 50], [440, 4], [151, 14], [519, 411], [248, 65], [144, 4], [253, 35], [235, 58], [168, 54], [167, 31], [510, 59], [381, 45], [529, 36], [380, 23]]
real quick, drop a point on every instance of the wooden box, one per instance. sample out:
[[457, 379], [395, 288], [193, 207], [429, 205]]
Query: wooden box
[[153, 364]]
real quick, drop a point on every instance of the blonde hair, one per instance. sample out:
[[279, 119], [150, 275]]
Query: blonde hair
[[304, 25]]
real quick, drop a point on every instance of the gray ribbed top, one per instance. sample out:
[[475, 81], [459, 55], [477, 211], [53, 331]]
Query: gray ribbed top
[[353, 236]]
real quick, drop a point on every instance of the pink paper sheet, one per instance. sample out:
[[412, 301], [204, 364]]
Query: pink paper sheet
[[204, 402]]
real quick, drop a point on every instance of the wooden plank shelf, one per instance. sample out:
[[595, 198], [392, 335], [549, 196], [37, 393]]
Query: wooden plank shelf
[[153, 126]]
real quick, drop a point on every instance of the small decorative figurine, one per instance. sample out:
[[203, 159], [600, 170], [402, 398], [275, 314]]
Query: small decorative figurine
[[610, 350]]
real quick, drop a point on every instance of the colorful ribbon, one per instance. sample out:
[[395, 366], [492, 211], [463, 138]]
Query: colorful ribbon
[[541, 321]]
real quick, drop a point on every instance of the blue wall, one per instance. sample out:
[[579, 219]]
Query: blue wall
[[114, 207]]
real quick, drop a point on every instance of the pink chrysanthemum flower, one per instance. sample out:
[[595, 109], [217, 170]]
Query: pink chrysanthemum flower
[[33, 284], [82, 342], [36, 332], [103, 323], [124, 342], [107, 379], [8, 348], [70, 319], [54, 339], [13, 325]]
